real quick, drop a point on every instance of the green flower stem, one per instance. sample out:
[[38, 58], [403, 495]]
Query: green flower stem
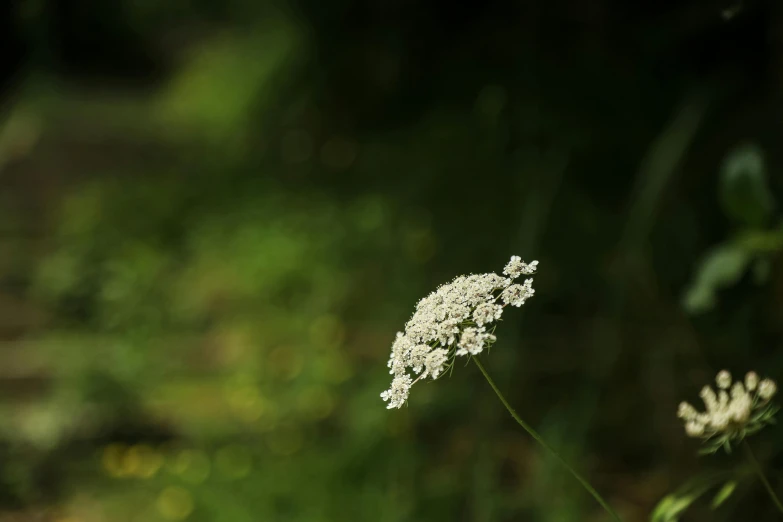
[[533, 433], [760, 473]]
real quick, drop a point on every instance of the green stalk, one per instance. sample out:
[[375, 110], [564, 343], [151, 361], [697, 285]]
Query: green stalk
[[533, 433], [760, 472]]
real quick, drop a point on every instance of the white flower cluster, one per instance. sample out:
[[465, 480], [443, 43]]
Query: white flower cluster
[[736, 410], [452, 321]]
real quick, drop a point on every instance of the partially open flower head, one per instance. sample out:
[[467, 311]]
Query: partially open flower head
[[458, 319], [737, 410]]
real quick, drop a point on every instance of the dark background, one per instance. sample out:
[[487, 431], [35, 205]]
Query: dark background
[[214, 216]]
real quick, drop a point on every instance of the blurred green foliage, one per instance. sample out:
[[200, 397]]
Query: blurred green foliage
[[673, 506], [748, 203]]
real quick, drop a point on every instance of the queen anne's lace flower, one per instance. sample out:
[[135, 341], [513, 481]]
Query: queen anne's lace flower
[[473, 340], [435, 361], [452, 321], [723, 379], [516, 295], [517, 267], [398, 393], [730, 415], [694, 429], [767, 389], [751, 381], [418, 357], [487, 313]]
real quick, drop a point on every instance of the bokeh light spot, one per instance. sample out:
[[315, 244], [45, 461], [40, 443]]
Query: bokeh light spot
[[175, 503], [149, 460], [233, 462], [112, 460], [193, 466]]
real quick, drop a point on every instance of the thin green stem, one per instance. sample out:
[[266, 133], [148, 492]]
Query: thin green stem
[[533, 433], [760, 472]]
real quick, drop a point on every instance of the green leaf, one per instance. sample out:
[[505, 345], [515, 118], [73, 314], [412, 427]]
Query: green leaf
[[672, 506], [721, 267], [724, 493], [743, 192]]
